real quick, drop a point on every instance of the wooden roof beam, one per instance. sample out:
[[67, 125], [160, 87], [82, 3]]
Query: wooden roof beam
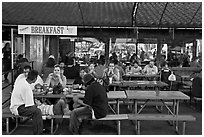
[[162, 14], [134, 13], [82, 17], [195, 13]]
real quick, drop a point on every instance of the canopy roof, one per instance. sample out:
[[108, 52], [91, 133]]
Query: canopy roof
[[104, 14]]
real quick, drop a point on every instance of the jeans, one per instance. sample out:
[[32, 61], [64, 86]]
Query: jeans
[[35, 114], [78, 113], [59, 107]]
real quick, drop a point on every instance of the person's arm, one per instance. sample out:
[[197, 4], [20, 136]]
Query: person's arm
[[27, 96], [156, 70], [104, 73], [48, 80], [62, 81], [78, 101], [145, 69], [116, 75]]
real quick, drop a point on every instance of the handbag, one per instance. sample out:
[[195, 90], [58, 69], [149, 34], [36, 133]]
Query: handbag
[[57, 89]]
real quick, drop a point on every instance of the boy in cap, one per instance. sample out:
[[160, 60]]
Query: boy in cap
[[95, 104]]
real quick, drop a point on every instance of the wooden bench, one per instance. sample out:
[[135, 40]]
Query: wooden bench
[[110, 117], [113, 117], [160, 117]]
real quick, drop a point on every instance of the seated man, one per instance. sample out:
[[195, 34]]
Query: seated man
[[197, 86], [95, 104], [150, 69], [26, 70], [22, 102], [165, 73]]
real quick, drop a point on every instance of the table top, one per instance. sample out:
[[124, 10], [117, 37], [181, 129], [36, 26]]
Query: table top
[[140, 83], [116, 95], [165, 95], [140, 75], [111, 95], [70, 81], [188, 83]]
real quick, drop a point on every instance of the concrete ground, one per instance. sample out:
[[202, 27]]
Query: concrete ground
[[109, 127]]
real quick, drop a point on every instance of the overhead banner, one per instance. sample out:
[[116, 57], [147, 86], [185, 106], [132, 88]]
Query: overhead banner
[[47, 30]]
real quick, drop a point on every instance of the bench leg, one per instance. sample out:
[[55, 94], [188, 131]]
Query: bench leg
[[118, 126], [138, 127], [184, 127], [51, 130], [7, 125]]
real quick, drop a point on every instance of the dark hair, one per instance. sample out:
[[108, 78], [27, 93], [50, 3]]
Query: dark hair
[[27, 67], [50, 62], [32, 75], [115, 62], [56, 65]]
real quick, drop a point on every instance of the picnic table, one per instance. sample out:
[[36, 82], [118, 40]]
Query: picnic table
[[113, 95], [154, 84], [175, 96], [130, 76]]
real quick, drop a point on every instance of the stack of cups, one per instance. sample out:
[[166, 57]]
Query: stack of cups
[[70, 87], [110, 80], [45, 87]]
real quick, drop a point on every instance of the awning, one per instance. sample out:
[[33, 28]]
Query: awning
[[104, 14]]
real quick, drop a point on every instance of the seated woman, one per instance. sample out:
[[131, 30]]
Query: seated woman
[[128, 68], [110, 74], [60, 108], [56, 78], [135, 69], [91, 69], [78, 80]]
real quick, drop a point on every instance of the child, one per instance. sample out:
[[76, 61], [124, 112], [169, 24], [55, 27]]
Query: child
[[60, 108]]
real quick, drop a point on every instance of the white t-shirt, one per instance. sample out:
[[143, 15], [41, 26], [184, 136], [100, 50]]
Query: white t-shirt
[[22, 76], [150, 71], [21, 94]]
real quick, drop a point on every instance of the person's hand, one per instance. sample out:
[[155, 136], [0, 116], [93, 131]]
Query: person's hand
[[50, 75], [58, 75], [75, 98]]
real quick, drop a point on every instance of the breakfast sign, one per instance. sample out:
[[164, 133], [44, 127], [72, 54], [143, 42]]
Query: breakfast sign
[[47, 30]]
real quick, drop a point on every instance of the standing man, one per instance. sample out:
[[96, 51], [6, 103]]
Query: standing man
[[22, 102], [95, 104]]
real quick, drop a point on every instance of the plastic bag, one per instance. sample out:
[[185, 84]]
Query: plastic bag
[[172, 77]]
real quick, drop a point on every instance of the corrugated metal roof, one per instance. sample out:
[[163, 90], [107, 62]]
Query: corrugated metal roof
[[107, 14]]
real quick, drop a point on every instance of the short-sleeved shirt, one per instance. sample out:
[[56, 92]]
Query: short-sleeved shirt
[[96, 97], [22, 76], [21, 94], [150, 70], [136, 70]]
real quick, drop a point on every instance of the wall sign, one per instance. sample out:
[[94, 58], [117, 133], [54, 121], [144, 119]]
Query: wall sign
[[47, 30]]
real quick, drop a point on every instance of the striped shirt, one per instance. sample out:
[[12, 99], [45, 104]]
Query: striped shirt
[[46, 109]]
